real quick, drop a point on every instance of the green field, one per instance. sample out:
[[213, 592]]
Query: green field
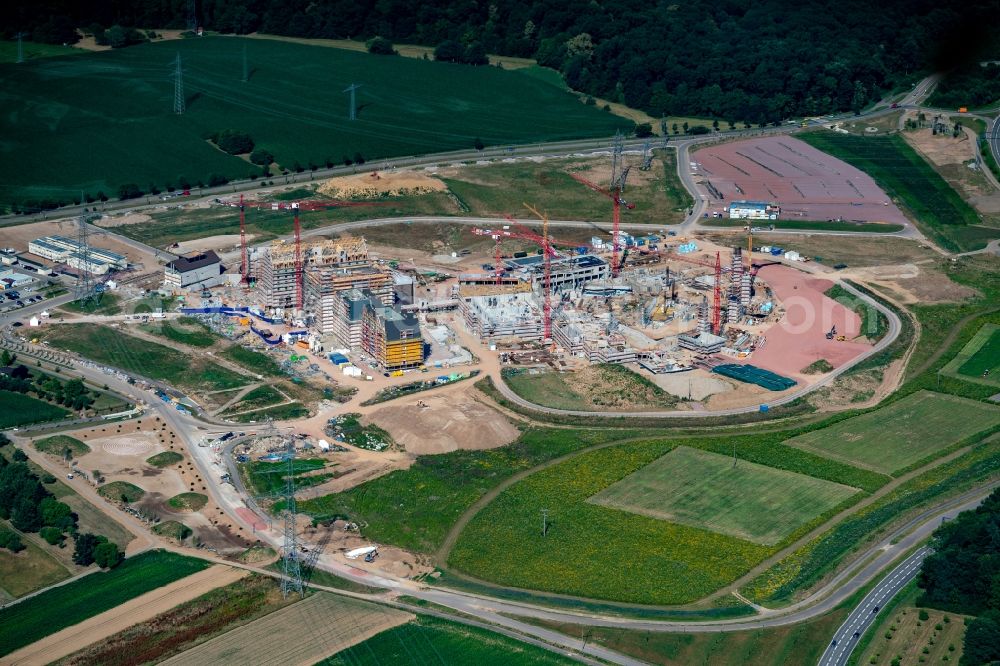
[[702, 489], [586, 547], [266, 478], [292, 106], [121, 491], [430, 640], [34, 50], [262, 396], [107, 305], [188, 502], [259, 362], [286, 412], [111, 347], [34, 618], [938, 209], [494, 189], [979, 359], [437, 489], [185, 330], [597, 387], [17, 409], [27, 571], [165, 459], [865, 227], [907, 431], [57, 444]]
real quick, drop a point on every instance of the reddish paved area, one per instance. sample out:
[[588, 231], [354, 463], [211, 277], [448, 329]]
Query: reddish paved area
[[800, 337], [251, 518], [808, 184]]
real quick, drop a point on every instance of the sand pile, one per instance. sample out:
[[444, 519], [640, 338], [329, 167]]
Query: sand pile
[[379, 184]]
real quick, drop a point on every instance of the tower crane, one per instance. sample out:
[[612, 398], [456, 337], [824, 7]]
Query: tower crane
[[717, 288], [615, 194], [294, 207]]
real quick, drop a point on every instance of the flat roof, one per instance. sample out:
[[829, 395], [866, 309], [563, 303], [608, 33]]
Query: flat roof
[[194, 261]]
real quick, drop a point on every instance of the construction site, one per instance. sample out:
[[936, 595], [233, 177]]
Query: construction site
[[732, 316]]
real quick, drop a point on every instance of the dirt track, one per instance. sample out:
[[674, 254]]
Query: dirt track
[[140, 609]]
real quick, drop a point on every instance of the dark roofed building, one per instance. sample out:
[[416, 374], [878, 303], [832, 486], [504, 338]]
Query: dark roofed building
[[194, 270]]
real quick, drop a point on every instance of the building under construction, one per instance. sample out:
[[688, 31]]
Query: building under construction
[[326, 289], [513, 316], [278, 274], [391, 337]]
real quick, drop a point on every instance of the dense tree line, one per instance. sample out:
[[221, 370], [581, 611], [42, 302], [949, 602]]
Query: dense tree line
[[731, 59], [963, 575], [30, 507], [71, 393], [970, 86]]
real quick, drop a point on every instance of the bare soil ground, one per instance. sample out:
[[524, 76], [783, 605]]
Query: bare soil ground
[[851, 250], [950, 157], [799, 338], [439, 424], [381, 183], [806, 182], [309, 631], [925, 282], [120, 451], [140, 609], [223, 243], [699, 384]]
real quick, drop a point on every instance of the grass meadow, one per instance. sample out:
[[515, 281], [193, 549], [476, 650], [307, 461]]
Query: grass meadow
[[34, 618], [292, 106], [907, 431], [979, 360], [108, 346], [906, 177], [57, 445], [703, 489]]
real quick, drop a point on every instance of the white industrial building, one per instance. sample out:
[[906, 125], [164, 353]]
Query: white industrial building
[[196, 270], [68, 251], [753, 210]]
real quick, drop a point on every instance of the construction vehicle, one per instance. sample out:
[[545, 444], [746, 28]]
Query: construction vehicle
[[841, 338], [832, 332]]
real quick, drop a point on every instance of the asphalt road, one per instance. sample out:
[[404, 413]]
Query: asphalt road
[[867, 612]]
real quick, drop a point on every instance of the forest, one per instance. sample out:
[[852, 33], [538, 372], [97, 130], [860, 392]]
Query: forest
[[737, 60], [963, 575]]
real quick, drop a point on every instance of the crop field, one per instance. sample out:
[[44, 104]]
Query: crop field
[[892, 438], [911, 182], [33, 618], [979, 359], [591, 550], [17, 409], [431, 640], [108, 346], [292, 106], [169, 633], [702, 489], [437, 489], [310, 629], [801, 570]]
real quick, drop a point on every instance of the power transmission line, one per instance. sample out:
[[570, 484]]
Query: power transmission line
[[178, 86], [351, 88]]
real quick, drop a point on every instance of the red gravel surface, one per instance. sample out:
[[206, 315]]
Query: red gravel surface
[[799, 338], [808, 184]]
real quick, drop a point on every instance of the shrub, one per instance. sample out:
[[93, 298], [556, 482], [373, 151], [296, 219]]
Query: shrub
[[10, 540], [261, 157], [53, 535], [128, 191], [449, 51], [84, 546], [643, 130], [233, 141], [923, 615], [380, 46], [107, 555]]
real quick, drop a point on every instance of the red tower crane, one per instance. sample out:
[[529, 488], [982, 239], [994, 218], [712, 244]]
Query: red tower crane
[[717, 296], [294, 207], [615, 194]]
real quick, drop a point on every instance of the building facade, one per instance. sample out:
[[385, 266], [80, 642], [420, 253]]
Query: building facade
[[195, 270]]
